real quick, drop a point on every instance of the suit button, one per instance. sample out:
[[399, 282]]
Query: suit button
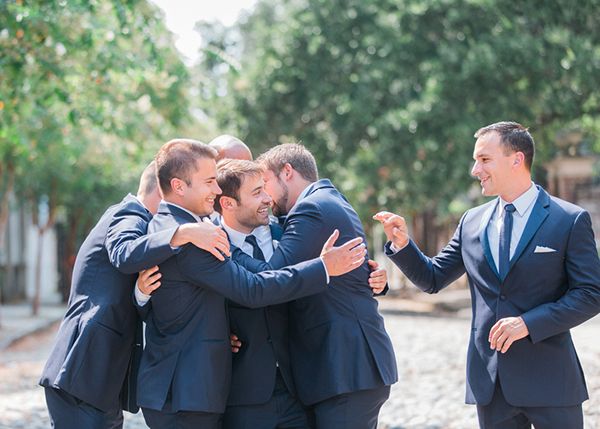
[[502, 297], [269, 340]]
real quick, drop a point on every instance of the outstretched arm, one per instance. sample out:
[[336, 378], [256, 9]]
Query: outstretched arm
[[129, 249], [429, 274], [271, 287]]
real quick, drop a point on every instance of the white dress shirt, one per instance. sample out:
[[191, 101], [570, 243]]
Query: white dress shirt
[[262, 235], [523, 205]]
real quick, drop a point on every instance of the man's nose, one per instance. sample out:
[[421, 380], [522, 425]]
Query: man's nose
[[266, 198]]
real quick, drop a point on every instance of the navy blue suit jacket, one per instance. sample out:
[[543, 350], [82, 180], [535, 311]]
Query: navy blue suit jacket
[[338, 341], [553, 292], [264, 336], [94, 343], [187, 349]]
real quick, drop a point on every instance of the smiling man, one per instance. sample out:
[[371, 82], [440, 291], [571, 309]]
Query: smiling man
[[262, 395], [533, 270]]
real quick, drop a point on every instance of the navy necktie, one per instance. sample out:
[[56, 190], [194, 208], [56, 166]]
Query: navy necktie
[[256, 252], [505, 234]]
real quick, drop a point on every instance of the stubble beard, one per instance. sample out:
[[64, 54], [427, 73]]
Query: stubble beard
[[279, 206]]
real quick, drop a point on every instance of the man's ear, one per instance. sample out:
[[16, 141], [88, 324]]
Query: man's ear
[[287, 171], [519, 159], [177, 185], [227, 203]]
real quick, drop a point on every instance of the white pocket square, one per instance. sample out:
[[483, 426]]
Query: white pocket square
[[543, 249]]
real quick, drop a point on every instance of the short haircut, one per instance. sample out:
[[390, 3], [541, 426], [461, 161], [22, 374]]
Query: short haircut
[[177, 159], [230, 175], [148, 180], [296, 155], [514, 137]]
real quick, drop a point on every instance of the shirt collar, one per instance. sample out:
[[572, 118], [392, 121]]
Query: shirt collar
[[237, 238], [195, 216], [525, 201]]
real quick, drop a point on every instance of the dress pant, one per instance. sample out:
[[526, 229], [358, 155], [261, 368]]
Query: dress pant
[[181, 419], [282, 411], [68, 412], [354, 410], [499, 414]]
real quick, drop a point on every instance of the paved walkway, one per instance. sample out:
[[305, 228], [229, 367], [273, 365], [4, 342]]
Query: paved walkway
[[430, 350]]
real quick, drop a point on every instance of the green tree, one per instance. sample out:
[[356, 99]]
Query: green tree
[[388, 94], [88, 91]]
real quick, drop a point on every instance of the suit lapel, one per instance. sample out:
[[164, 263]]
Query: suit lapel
[[483, 236], [539, 213]]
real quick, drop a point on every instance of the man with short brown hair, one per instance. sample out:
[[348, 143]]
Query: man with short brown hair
[[534, 273]]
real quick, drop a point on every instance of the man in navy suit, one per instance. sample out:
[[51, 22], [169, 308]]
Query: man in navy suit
[[533, 270], [342, 358], [186, 365], [86, 377], [263, 394]]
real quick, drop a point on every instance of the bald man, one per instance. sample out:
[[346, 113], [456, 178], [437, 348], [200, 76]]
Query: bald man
[[231, 147]]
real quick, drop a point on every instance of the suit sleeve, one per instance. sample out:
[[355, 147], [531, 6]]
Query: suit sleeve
[[582, 298], [430, 274], [130, 250], [303, 238], [252, 290]]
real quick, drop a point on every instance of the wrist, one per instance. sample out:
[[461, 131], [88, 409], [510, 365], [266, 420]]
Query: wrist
[[398, 245]]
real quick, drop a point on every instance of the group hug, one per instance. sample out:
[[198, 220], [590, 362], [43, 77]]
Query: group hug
[[237, 293]]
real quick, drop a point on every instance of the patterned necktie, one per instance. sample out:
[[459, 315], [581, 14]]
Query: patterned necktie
[[505, 234], [256, 252]]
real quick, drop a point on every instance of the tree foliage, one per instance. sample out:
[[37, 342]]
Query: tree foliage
[[388, 94], [88, 92]]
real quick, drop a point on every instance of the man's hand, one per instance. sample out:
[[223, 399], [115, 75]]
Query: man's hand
[[394, 227], [235, 343], [345, 258], [148, 280], [378, 277], [505, 332], [204, 235]]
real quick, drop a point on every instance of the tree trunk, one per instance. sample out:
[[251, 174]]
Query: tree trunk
[[40, 254], [38, 272], [4, 201]]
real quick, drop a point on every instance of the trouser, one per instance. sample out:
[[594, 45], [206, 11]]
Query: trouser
[[282, 411], [499, 414], [68, 412], [354, 410], [181, 419]]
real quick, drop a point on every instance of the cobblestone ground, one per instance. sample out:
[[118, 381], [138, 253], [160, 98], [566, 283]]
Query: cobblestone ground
[[431, 355]]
